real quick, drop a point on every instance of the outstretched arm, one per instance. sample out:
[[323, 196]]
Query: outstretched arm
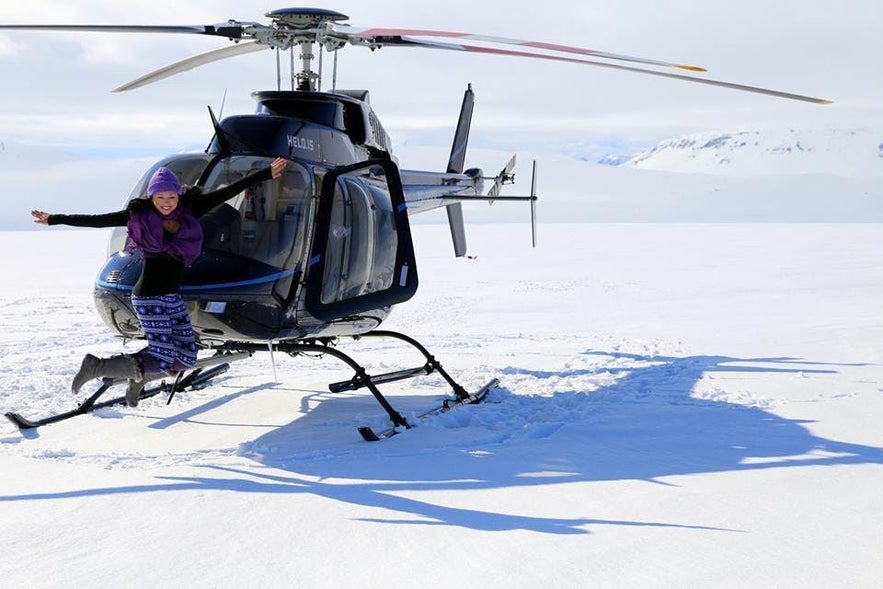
[[115, 219]]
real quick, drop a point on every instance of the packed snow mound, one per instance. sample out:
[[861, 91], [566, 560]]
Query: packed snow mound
[[843, 152]]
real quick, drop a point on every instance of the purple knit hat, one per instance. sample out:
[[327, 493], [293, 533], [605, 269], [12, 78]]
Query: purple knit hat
[[163, 180]]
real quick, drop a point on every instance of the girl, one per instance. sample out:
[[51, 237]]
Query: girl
[[166, 231]]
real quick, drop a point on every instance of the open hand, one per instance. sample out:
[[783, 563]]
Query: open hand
[[277, 166], [40, 217]]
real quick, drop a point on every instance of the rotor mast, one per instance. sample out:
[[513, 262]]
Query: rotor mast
[[302, 28], [306, 78]]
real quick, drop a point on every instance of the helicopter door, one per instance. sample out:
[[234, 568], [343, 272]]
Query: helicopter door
[[363, 256]]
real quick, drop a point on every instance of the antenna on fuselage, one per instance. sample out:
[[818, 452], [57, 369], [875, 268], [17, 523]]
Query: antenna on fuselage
[[223, 103]]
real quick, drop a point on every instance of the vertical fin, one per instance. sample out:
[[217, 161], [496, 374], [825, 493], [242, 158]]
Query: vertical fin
[[456, 162], [458, 150]]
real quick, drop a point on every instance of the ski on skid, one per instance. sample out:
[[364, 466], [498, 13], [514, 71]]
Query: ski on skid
[[369, 435], [192, 381]]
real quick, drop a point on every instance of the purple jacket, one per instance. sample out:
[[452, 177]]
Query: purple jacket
[[182, 238]]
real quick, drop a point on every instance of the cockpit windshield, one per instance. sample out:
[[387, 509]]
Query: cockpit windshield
[[265, 222]]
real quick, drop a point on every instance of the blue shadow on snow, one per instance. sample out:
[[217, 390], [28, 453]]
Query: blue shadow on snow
[[644, 424]]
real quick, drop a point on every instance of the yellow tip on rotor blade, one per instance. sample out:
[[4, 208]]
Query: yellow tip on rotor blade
[[826, 101], [692, 68]]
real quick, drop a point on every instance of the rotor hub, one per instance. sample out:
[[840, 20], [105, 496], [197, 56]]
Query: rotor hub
[[304, 17]]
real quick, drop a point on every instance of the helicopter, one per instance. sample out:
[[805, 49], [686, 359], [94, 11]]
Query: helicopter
[[324, 252]]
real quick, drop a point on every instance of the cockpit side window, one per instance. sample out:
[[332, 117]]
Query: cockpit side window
[[188, 169], [362, 240], [265, 222], [362, 256]]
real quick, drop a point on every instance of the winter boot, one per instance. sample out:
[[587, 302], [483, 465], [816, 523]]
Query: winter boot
[[114, 367], [133, 391]]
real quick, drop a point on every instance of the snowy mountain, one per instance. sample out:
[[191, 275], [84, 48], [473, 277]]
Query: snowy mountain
[[752, 153], [17, 157]]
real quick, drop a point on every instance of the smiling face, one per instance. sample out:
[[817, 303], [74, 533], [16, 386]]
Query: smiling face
[[165, 202]]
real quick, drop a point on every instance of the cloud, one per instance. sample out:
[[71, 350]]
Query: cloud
[[8, 48], [786, 46]]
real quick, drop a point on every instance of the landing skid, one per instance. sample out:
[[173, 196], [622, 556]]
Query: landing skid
[[361, 378], [205, 370], [208, 368], [369, 435]]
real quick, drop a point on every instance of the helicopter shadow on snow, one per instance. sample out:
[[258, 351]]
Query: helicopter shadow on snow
[[649, 410], [645, 425]]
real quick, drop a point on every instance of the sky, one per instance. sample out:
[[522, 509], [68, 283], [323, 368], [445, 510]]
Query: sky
[[57, 86]]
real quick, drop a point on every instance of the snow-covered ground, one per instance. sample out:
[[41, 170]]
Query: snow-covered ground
[[681, 405]]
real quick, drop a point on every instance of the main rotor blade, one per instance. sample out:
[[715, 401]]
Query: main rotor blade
[[386, 32], [231, 31], [192, 62], [710, 82]]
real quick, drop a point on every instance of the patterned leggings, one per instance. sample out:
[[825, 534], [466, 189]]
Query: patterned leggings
[[171, 345]]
